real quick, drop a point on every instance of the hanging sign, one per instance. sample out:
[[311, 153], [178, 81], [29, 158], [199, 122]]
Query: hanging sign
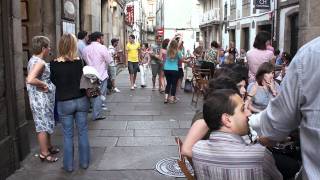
[[262, 4]]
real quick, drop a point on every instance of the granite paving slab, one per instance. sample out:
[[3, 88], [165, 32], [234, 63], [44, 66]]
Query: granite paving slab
[[135, 112], [185, 124], [152, 124], [116, 133], [180, 132], [152, 132], [103, 141], [102, 124], [132, 118], [135, 158], [146, 141]]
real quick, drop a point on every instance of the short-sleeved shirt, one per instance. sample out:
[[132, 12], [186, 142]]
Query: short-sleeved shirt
[[156, 51], [211, 55], [98, 56], [172, 64], [112, 52], [228, 156], [255, 58], [133, 51]]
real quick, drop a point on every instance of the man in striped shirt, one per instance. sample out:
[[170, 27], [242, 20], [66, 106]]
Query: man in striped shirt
[[226, 155]]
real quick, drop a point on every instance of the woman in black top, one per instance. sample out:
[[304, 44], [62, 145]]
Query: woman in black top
[[72, 103]]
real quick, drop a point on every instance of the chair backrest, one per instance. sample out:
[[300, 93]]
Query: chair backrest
[[181, 161]]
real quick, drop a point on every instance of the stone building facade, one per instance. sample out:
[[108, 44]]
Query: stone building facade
[[309, 23], [14, 141], [287, 26], [211, 21], [297, 23], [242, 21], [20, 20]]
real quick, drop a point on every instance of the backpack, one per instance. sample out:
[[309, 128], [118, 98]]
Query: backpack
[[188, 86]]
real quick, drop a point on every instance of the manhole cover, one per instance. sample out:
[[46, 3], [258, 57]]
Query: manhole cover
[[170, 167]]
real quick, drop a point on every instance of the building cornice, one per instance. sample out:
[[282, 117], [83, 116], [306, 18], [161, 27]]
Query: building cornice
[[287, 3]]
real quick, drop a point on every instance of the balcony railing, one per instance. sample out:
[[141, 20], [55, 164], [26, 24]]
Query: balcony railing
[[213, 15]]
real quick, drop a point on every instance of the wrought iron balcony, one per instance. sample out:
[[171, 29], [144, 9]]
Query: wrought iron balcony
[[211, 16]]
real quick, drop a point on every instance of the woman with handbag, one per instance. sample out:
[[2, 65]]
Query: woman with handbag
[[73, 104], [41, 93]]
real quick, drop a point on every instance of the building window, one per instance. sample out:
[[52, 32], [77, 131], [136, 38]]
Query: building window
[[197, 36], [225, 11], [233, 11], [245, 8], [151, 10]]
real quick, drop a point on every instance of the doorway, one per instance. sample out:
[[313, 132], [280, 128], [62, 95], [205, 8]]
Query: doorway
[[245, 36], [232, 36], [294, 25], [266, 27]]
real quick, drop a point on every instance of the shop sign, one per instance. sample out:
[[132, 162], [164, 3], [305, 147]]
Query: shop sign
[[262, 4], [160, 32], [130, 15]]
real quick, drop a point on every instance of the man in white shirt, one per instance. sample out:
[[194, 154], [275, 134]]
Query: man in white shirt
[[112, 70]]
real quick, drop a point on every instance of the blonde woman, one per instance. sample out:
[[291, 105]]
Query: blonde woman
[[73, 104], [171, 71], [41, 93]]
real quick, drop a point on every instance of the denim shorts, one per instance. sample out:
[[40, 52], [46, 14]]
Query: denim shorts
[[112, 71], [133, 67], [155, 69]]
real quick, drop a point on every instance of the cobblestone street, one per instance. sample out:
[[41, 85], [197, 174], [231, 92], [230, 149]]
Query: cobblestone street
[[138, 132]]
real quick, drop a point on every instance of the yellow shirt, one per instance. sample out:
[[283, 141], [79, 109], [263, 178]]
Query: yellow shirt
[[133, 51]]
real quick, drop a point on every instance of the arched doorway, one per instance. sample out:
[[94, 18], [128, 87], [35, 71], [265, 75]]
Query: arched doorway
[[294, 36]]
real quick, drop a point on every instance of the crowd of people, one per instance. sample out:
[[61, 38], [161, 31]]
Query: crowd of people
[[72, 82], [254, 104], [78, 79], [251, 127]]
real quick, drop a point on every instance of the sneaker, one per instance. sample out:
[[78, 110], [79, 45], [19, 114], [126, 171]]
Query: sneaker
[[132, 88], [143, 86], [116, 90], [100, 118], [105, 108], [135, 86]]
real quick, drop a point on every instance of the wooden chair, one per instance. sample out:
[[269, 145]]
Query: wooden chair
[[182, 161], [200, 82]]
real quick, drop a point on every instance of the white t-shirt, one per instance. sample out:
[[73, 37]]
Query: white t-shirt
[[112, 52]]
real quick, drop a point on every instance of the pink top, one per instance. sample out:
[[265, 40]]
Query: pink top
[[255, 58], [98, 56]]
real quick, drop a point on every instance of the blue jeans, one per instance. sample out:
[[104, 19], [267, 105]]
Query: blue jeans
[[68, 111], [97, 101]]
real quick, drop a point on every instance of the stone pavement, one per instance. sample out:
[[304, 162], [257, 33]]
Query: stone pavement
[[138, 132]]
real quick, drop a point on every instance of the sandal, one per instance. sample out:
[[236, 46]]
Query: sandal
[[53, 150], [48, 158], [173, 101]]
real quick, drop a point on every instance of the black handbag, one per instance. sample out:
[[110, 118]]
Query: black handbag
[[187, 86], [93, 92]]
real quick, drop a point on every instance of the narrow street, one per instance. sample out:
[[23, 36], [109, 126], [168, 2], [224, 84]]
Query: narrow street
[[138, 132]]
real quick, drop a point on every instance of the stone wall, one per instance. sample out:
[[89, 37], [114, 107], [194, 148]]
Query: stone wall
[[309, 21], [14, 142]]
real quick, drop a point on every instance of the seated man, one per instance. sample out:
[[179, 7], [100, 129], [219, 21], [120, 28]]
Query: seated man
[[225, 155]]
